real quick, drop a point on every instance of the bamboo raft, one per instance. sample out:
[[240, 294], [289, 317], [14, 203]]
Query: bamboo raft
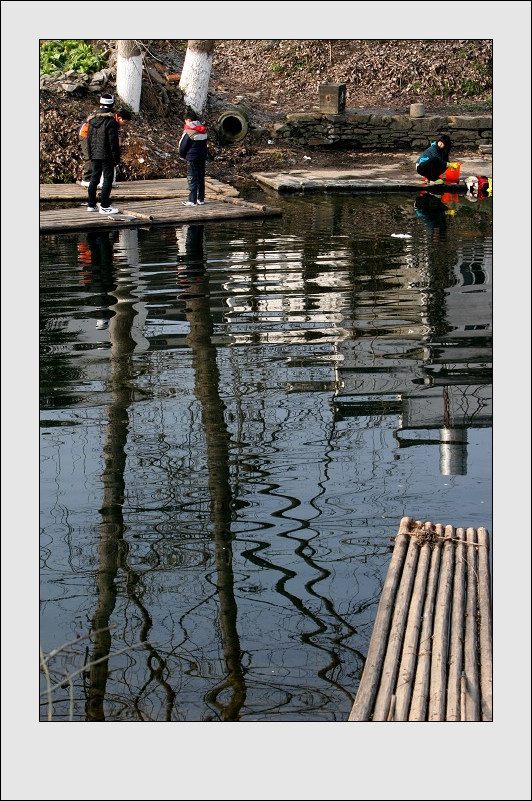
[[143, 203], [431, 650]]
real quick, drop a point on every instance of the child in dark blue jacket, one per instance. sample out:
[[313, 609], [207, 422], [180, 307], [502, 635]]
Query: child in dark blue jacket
[[193, 148], [435, 159]]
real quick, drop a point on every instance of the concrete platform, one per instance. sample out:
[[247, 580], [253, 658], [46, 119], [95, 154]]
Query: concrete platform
[[387, 174]]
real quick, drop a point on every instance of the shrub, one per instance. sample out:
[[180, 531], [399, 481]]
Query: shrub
[[60, 55], [470, 87]]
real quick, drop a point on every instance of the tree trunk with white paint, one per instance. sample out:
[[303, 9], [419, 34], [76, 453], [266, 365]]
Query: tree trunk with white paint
[[196, 74], [129, 73]]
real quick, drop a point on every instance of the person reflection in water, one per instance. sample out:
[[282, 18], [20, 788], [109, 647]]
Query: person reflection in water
[[434, 213], [95, 254], [191, 261]]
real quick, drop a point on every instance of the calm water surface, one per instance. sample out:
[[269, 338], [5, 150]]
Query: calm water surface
[[234, 418]]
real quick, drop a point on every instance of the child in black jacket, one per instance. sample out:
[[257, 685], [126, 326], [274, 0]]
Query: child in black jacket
[[193, 148]]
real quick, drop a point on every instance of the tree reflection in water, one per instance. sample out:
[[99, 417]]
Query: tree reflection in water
[[269, 407]]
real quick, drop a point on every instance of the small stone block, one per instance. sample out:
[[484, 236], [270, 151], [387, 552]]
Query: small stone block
[[332, 98]]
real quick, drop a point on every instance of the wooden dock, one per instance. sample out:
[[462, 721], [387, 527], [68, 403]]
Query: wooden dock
[[144, 203], [431, 649]]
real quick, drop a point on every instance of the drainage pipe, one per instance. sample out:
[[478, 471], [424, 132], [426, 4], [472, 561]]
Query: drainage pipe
[[233, 124]]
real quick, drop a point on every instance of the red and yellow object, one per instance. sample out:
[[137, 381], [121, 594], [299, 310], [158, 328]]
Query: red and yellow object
[[452, 173]]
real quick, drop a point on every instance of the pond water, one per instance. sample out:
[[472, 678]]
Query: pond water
[[234, 419]]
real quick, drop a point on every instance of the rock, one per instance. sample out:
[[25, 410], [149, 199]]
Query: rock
[[74, 88]]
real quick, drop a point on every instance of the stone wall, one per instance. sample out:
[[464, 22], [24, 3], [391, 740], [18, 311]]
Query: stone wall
[[374, 131]]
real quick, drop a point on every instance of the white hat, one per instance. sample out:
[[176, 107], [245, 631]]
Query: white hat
[[107, 100]]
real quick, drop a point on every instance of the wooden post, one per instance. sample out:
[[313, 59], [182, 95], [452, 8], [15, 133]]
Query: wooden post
[[471, 632], [440, 643], [471, 635], [463, 696], [456, 646], [362, 707], [486, 634], [405, 678], [420, 694], [395, 639]]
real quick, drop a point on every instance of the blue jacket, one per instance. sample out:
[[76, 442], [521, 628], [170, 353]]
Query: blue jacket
[[193, 142], [434, 152]]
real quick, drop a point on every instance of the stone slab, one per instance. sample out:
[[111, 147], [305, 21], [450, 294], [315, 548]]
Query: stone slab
[[383, 175]]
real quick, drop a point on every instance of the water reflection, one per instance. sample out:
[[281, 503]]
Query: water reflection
[[194, 285], [95, 253], [224, 464], [112, 548], [433, 210]]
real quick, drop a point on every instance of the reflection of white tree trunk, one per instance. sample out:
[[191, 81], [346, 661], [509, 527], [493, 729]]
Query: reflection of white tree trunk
[[129, 73], [125, 332], [196, 74], [111, 544], [207, 381]]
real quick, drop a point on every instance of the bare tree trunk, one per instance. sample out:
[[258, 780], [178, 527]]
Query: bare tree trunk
[[196, 73], [129, 73]]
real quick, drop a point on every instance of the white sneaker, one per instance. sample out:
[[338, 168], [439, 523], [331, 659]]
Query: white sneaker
[[92, 208], [201, 202], [189, 203], [109, 210], [85, 183]]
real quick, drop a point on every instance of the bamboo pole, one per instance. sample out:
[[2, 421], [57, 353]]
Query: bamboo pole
[[139, 215], [420, 693], [463, 696], [405, 679], [396, 636], [456, 646], [361, 709], [472, 710], [440, 640], [486, 634]]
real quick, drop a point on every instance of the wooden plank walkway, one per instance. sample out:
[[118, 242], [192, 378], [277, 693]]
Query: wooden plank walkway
[[136, 190], [431, 649], [143, 203]]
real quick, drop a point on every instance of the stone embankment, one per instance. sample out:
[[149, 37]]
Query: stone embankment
[[374, 130]]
